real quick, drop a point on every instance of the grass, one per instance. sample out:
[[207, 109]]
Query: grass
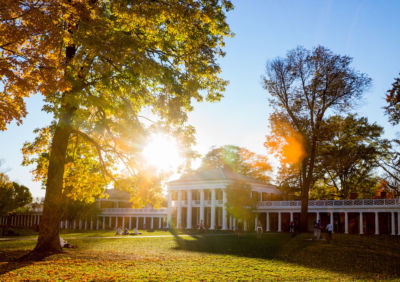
[[209, 257]]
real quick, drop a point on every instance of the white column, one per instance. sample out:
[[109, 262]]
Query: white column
[[169, 209], [116, 222], [398, 223], [104, 223], [66, 224], [317, 216], [361, 223], [86, 223], [189, 210], [234, 224], [91, 223], [256, 222], [97, 223], [152, 223], [159, 223], [279, 222], [61, 224], [137, 222], [224, 213], [393, 225], [130, 223], [376, 223], [346, 223], [212, 227], [179, 212], [291, 216], [202, 206], [267, 222], [123, 222]]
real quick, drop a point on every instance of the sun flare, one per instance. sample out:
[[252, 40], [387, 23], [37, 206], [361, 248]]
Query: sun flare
[[162, 152]]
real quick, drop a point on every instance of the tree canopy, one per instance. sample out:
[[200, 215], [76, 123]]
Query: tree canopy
[[240, 160], [393, 101], [304, 88]]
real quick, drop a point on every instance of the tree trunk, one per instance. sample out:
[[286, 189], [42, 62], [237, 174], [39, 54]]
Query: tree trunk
[[306, 186], [49, 228], [304, 206]]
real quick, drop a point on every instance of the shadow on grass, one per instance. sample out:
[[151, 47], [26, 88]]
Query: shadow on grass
[[9, 261], [14, 259], [375, 257], [245, 245]]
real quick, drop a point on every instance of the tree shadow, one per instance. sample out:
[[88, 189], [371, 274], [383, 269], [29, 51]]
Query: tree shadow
[[245, 245], [14, 259], [362, 256]]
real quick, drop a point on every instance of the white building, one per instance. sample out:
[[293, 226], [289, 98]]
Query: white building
[[200, 196]]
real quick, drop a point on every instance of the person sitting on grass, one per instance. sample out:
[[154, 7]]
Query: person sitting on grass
[[136, 232], [119, 231], [126, 232], [65, 244]]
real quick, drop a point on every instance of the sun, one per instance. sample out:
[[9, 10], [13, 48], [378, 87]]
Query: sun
[[162, 152]]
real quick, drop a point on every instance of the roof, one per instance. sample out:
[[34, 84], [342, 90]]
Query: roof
[[215, 174], [115, 194]]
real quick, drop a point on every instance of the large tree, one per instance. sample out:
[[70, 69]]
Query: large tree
[[119, 59], [240, 160], [304, 88]]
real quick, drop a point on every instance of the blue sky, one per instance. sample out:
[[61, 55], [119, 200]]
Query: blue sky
[[368, 31]]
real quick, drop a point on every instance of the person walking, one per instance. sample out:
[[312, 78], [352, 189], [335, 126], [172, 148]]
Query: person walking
[[319, 229], [329, 229]]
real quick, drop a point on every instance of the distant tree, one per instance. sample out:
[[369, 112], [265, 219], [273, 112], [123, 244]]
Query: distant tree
[[347, 158], [348, 155], [393, 100], [13, 196], [390, 163], [240, 160], [75, 209], [304, 88], [239, 203]]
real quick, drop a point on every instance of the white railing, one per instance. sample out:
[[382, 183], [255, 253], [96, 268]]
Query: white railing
[[332, 203], [130, 210]]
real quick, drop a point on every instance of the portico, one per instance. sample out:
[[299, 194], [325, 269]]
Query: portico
[[201, 197]]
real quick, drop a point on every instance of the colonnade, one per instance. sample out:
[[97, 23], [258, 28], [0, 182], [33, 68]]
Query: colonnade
[[361, 227], [189, 204], [21, 220], [90, 223]]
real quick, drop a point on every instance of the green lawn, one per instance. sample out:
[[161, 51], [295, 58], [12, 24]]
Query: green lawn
[[209, 257]]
